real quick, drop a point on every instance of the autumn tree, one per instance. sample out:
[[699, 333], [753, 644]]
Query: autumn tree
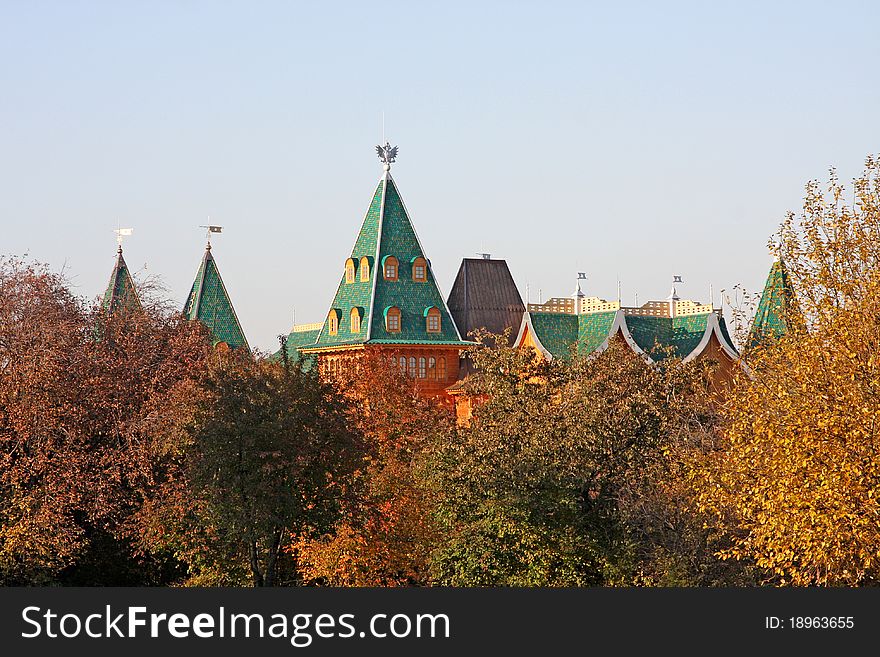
[[797, 482], [387, 530], [255, 453], [75, 385], [565, 476]]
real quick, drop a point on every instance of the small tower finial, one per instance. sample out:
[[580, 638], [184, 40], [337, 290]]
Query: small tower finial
[[387, 155]]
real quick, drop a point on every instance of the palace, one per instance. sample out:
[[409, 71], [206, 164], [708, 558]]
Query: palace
[[388, 302]]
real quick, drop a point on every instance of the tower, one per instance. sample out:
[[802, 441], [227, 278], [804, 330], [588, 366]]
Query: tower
[[121, 292], [773, 313], [209, 303], [388, 300]]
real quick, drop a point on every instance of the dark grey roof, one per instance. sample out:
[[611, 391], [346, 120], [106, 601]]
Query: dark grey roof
[[485, 296]]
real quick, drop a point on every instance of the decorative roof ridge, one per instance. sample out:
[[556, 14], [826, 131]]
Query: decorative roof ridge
[[203, 269], [620, 324], [713, 327], [526, 324], [386, 176]]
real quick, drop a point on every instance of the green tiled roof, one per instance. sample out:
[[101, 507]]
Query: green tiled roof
[[120, 292], [209, 303], [770, 321], [557, 332], [387, 231], [682, 333]]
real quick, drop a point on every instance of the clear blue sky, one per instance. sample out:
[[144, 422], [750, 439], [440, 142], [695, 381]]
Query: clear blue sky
[[621, 139]]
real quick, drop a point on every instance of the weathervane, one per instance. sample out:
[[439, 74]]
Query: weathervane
[[211, 229], [122, 233], [388, 154]]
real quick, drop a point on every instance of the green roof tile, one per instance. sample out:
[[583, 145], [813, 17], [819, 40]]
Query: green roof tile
[[209, 302], [121, 292], [388, 231], [593, 330]]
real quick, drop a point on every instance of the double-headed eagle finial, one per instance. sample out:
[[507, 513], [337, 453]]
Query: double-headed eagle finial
[[388, 154]]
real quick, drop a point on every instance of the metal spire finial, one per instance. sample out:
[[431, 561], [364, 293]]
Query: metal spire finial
[[387, 154]]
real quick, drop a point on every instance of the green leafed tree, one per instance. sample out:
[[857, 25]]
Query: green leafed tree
[[255, 455]]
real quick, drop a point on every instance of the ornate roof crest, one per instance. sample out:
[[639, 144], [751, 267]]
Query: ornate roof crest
[[387, 154]]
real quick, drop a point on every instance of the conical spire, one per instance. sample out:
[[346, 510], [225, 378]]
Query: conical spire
[[773, 314], [121, 292], [387, 273], [209, 303]]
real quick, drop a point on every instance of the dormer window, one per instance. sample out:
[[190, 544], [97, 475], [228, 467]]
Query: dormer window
[[419, 269], [355, 319], [349, 271], [392, 319], [365, 269], [333, 322], [432, 319], [390, 267]]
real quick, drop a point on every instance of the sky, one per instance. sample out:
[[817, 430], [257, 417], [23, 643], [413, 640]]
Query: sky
[[630, 141]]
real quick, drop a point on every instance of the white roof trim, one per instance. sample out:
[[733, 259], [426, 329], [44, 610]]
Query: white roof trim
[[526, 324], [620, 325], [377, 266], [713, 327]]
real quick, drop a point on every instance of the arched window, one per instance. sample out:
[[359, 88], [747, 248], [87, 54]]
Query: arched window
[[349, 271], [402, 364], [365, 269], [412, 366], [355, 319], [422, 373], [392, 319], [441, 369], [432, 319], [333, 322], [390, 267], [419, 269], [432, 368]]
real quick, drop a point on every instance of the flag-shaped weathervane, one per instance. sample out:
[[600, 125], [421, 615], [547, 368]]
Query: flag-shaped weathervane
[[210, 228], [122, 233]]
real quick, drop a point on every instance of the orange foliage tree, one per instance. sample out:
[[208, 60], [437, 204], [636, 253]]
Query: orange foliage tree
[[387, 530]]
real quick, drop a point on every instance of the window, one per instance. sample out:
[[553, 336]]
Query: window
[[402, 365], [422, 372], [433, 320], [419, 270], [333, 322], [390, 267], [365, 269], [432, 368], [349, 271], [355, 320], [412, 366], [441, 369], [392, 319]]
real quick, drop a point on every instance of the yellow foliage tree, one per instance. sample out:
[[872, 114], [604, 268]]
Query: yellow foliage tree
[[797, 481]]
